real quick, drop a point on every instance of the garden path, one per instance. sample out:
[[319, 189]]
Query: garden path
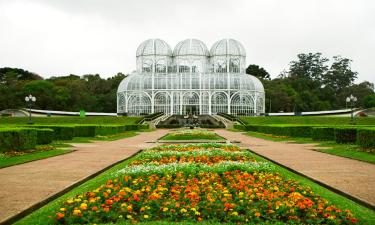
[[352, 177], [23, 186]]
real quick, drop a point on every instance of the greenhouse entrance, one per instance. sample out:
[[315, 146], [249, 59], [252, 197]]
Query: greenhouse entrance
[[191, 109]]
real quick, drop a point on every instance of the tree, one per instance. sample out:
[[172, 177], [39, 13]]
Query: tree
[[340, 74], [369, 101], [309, 67], [258, 72], [360, 91]]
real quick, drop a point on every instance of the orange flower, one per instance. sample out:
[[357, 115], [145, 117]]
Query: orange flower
[[59, 216], [257, 214]]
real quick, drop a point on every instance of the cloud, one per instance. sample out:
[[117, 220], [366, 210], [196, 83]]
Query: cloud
[[53, 37]]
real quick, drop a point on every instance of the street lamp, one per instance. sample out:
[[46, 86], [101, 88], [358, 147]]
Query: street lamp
[[30, 100], [351, 100]]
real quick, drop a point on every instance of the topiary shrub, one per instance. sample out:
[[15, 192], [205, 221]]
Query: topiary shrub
[[323, 133], [44, 136], [107, 129], [17, 139], [345, 135], [366, 137], [84, 130]]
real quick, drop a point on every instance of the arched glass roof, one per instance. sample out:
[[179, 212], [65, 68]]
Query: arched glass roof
[[227, 47], [190, 47], [154, 47]]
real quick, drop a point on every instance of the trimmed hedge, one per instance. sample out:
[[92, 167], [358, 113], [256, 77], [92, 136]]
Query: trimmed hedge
[[281, 130], [366, 138], [84, 130], [323, 133], [345, 135], [44, 136], [60, 132], [17, 139]]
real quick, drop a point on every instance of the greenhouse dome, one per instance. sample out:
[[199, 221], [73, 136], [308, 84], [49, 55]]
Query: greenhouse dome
[[190, 80]]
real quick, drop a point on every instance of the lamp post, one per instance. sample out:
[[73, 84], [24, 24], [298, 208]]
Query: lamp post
[[30, 100], [351, 100]]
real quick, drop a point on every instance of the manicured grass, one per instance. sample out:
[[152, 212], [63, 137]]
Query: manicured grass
[[304, 120], [101, 120], [40, 216], [345, 150], [14, 160], [195, 134]]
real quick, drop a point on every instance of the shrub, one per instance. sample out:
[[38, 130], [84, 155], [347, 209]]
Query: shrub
[[282, 130], [107, 129], [44, 136], [17, 139], [239, 127], [323, 133], [366, 137], [60, 132], [84, 130], [345, 134], [168, 126]]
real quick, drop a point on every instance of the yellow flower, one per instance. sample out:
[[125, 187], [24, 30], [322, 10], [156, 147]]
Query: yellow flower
[[70, 201], [197, 213], [77, 200], [76, 212], [62, 209], [165, 209], [83, 206], [146, 216], [193, 209], [276, 188], [109, 191], [234, 213], [129, 217], [183, 210]]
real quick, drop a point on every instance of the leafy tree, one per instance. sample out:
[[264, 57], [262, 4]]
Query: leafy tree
[[258, 72], [340, 74], [369, 101]]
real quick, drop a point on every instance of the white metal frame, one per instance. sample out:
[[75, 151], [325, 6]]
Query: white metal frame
[[191, 79]]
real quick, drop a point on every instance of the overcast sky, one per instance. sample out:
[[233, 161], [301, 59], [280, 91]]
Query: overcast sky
[[56, 38]]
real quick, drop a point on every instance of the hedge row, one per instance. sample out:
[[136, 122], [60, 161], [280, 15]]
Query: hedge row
[[363, 136], [21, 138], [17, 139]]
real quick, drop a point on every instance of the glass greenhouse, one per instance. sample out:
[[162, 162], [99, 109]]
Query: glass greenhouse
[[190, 80]]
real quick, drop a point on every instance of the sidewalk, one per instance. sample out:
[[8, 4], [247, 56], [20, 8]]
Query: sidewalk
[[350, 176], [24, 185]]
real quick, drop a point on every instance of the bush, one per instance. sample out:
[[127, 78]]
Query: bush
[[281, 130], [168, 126], [107, 129], [323, 133], [239, 127], [84, 131], [60, 132], [44, 136], [345, 135], [17, 139], [366, 137]]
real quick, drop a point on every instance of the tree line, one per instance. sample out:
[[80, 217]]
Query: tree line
[[311, 83]]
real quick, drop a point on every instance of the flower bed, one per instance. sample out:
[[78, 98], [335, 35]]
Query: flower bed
[[192, 134], [208, 185]]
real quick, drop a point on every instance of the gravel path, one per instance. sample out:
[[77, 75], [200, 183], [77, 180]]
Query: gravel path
[[25, 185], [352, 177]]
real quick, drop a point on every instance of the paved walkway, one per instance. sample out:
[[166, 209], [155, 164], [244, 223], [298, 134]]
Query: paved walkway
[[24, 185], [352, 177]]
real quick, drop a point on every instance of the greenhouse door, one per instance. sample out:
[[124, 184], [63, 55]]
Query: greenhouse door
[[191, 109]]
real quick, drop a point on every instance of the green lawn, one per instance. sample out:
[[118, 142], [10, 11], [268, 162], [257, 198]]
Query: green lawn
[[41, 216], [304, 120], [345, 150], [14, 160]]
